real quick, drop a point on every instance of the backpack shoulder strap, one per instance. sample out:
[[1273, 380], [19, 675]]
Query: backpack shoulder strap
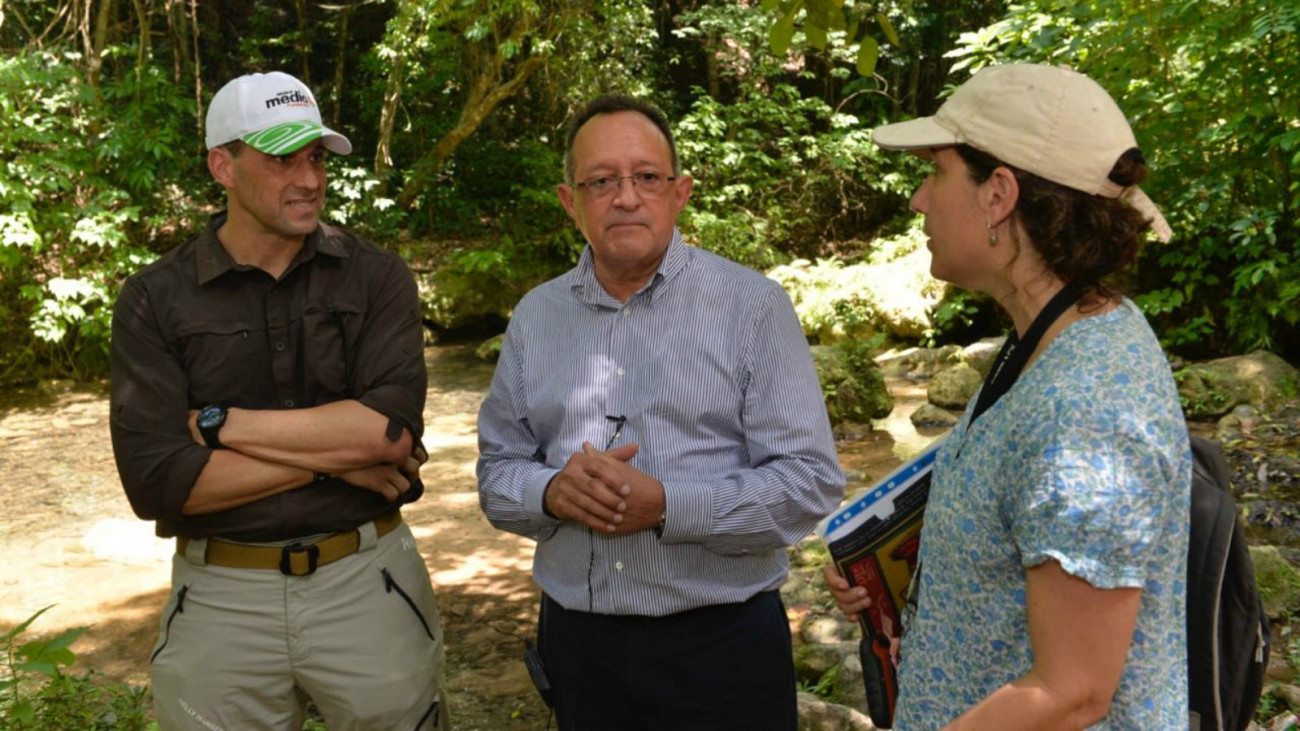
[[1213, 520]]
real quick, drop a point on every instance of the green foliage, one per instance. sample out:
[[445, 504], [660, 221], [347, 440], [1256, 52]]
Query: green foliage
[[358, 201], [740, 236], [1214, 104], [101, 158], [73, 209], [825, 298], [825, 687], [1269, 706], [845, 21], [35, 694], [776, 170], [955, 312]]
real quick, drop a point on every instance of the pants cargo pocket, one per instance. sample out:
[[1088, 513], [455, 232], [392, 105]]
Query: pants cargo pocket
[[176, 606], [391, 586], [430, 719]]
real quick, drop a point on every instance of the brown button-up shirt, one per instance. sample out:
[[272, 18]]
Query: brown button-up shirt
[[196, 328]]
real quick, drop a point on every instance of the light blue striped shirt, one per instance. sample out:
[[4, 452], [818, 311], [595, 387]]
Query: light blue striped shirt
[[709, 366]]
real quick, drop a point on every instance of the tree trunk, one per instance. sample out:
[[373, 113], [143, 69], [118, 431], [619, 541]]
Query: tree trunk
[[177, 28], [387, 115], [340, 59], [198, 79], [103, 26], [711, 67], [488, 92], [403, 28], [143, 15], [83, 10], [302, 44]]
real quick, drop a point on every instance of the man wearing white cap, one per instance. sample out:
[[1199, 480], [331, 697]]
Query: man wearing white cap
[[267, 398]]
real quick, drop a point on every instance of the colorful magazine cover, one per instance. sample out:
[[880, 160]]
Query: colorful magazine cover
[[874, 540]]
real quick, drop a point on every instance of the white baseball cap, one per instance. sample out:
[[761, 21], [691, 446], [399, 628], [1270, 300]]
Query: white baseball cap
[[1047, 120], [273, 113]]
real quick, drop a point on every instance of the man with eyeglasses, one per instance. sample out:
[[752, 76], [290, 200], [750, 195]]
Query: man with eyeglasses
[[656, 425]]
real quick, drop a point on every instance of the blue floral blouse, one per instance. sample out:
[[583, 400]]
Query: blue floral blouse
[[1085, 461]]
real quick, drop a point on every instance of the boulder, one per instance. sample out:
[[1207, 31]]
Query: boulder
[[816, 714], [980, 355], [1237, 423], [918, 363], [812, 661], [1261, 379], [849, 687], [454, 300], [1278, 581], [828, 629], [853, 391], [931, 416], [490, 349], [851, 431], [952, 388], [892, 293], [904, 293]]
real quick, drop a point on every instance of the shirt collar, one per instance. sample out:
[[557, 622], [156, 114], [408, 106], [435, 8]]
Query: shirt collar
[[587, 288], [212, 260]]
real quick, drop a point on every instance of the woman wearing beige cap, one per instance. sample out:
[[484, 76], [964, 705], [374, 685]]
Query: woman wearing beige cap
[[1053, 557]]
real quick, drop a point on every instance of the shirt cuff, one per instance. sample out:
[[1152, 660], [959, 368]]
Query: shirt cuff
[[689, 508], [535, 495]]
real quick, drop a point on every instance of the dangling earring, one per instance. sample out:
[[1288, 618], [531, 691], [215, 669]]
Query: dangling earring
[[993, 234]]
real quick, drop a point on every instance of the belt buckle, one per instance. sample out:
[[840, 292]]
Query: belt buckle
[[312, 552]]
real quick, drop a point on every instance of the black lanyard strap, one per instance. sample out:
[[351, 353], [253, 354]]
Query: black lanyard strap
[[1015, 350]]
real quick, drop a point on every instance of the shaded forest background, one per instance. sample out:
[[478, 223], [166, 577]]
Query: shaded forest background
[[456, 111]]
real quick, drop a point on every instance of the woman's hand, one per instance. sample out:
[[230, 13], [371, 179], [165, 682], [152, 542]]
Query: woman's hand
[[851, 599]]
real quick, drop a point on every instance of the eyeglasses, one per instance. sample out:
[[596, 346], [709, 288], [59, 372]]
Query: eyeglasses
[[649, 183]]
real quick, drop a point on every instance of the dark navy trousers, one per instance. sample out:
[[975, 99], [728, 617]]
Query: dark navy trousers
[[728, 666]]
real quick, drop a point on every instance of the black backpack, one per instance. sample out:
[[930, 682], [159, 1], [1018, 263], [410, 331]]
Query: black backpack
[[1227, 628]]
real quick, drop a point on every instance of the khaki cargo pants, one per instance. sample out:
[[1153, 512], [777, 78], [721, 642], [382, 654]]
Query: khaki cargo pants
[[245, 648]]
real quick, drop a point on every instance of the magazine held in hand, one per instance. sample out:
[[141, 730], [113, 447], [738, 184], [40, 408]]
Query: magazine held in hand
[[874, 540]]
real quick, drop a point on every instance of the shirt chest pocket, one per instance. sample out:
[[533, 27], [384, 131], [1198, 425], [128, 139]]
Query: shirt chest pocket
[[218, 355], [331, 337]]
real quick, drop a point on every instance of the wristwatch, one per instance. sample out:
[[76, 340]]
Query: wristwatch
[[211, 419]]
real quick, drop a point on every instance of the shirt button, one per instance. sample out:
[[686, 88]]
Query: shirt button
[[627, 311], [288, 402], [620, 372], [279, 345], [619, 565]]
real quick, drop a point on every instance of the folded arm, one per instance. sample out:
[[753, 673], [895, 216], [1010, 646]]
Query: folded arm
[[334, 437], [369, 442]]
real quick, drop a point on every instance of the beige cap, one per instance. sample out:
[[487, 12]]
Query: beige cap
[[1047, 120]]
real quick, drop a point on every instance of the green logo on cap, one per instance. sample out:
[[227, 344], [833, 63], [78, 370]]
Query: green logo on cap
[[284, 138]]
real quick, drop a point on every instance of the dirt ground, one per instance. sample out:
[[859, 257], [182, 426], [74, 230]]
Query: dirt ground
[[68, 538]]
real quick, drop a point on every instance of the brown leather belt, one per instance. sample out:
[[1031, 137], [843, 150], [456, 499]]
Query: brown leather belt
[[295, 559]]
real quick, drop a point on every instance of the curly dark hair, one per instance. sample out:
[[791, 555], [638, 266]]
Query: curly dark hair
[[1081, 237], [608, 104]]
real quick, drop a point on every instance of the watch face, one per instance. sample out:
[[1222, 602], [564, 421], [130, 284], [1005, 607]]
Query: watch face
[[211, 416]]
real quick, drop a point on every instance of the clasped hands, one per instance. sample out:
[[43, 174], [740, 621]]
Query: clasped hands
[[602, 491]]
